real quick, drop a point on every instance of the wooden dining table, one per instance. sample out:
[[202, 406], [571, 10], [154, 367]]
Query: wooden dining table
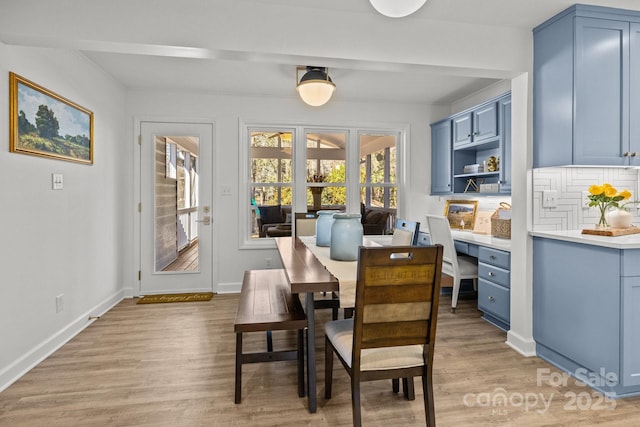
[[306, 276]]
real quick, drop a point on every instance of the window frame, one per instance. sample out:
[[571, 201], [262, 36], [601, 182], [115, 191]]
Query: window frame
[[299, 185]]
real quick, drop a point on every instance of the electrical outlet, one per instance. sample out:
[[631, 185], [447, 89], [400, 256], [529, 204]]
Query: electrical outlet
[[59, 303], [585, 200], [549, 198]]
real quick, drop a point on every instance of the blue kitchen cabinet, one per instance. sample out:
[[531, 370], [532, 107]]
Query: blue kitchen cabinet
[[494, 286], [475, 126], [586, 317], [472, 137], [586, 63], [441, 157], [505, 131]]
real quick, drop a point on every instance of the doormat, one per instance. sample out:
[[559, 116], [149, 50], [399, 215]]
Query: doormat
[[160, 298]]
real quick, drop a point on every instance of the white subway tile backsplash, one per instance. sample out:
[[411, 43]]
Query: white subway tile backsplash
[[569, 213]]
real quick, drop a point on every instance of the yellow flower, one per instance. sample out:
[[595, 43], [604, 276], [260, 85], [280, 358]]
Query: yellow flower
[[596, 189], [606, 196], [610, 191], [625, 194]]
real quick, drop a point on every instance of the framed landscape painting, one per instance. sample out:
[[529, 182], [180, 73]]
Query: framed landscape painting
[[45, 124], [461, 213]]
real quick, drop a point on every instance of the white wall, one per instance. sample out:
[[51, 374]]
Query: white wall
[[71, 241]]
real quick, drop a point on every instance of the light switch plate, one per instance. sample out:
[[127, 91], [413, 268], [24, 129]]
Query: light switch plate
[[57, 181], [549, 198]]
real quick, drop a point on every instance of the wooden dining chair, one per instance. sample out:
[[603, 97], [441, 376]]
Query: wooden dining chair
[[460, 267], [393, 332]]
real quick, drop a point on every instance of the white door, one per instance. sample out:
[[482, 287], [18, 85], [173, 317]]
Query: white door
[[176, 232]]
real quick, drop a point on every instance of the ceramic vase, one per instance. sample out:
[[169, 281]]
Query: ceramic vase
[[346, 237], [323, 228], [619, 218]]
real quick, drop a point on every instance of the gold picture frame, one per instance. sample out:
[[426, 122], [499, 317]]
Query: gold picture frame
[[45, 124], [461, 214]]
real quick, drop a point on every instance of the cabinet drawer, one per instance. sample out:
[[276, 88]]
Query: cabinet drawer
[[495, 257], [461, 247], [494, 299], [494, 274], [630, 262]]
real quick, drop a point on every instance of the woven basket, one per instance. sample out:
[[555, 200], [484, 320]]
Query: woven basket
[[501, 227]]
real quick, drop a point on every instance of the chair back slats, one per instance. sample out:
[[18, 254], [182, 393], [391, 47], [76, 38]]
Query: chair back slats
[[396, 312], [396, 296], [394, 334]]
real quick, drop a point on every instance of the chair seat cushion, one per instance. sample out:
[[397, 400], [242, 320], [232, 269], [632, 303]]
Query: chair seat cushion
[[340, 333], [468, 265]]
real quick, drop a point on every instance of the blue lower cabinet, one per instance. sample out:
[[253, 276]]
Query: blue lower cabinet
[[494, 302], [585, 313], [494, 283]]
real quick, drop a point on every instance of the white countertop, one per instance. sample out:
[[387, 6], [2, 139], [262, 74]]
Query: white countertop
[[463, 236], [482, 240], [631, 241]]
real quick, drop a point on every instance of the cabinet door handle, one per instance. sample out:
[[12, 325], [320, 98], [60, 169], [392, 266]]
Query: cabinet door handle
[[492, 257], [635, 154], [490, 274], [627, 154], [469, 135], [490, 298], [476, 133]]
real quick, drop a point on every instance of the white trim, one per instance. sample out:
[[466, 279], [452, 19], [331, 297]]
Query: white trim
[[137, 197], [524, 346], [48, 346]]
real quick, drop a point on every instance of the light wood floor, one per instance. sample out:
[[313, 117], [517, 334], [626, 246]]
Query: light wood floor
[[187, 260], [173, 365]]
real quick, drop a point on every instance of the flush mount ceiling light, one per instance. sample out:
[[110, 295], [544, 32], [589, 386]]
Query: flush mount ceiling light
[[397, 8], [315, 87]]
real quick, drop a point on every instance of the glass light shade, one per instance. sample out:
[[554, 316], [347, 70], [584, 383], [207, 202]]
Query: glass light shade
[[397, 8], [315, 86], [316, 92]]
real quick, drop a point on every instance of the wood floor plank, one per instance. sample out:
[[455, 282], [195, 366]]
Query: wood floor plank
[[173, 365]]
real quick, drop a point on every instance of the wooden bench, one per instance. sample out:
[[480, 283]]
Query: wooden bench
[[266, 304]]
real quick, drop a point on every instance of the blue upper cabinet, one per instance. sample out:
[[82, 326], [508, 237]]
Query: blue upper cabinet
[[441, 157], [464, 142], [476, 125], [505, 131], [586, 69]]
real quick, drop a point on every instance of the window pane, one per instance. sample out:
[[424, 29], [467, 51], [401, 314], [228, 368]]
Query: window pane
[[378, 170], [271, 174], [326, 169]]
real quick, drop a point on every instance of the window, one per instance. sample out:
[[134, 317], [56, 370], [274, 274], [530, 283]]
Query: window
[[378, 163], [270, 175], [326, 170], [301, 169]]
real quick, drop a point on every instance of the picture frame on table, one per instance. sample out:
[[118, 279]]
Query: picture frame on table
[[461, 214], [43, 123]]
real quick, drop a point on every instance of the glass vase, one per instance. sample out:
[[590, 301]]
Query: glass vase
[[602, 223]]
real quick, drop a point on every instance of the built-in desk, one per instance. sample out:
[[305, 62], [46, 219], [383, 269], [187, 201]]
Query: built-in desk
[[494, 272]]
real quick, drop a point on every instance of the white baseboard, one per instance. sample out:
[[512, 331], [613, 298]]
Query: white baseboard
[[524, 346], [229, 288], [39, 353]]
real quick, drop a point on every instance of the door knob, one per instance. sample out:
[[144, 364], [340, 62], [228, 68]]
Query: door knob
[[205, 220]]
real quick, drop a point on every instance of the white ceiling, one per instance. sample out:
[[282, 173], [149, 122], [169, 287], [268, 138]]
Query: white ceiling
[[445, 51]]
